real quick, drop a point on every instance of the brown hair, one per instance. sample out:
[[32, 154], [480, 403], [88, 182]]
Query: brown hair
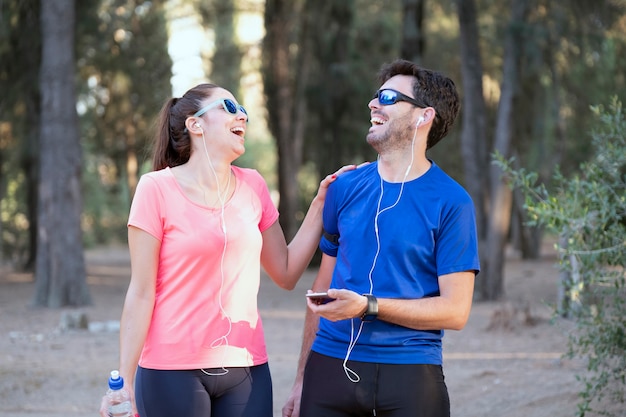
[[434, 89], [173, 144]]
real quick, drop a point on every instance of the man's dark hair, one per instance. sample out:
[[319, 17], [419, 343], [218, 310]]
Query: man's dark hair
[[431, 87]]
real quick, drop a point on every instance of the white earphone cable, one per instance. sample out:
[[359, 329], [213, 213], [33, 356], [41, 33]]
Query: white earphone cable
[[352, 375], [222, 340]]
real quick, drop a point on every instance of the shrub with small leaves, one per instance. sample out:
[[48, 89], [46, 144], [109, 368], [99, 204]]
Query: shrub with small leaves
[[588, 212]]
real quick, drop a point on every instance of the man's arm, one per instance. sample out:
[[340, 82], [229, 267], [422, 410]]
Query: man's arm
[[311, 324], [449, 310]]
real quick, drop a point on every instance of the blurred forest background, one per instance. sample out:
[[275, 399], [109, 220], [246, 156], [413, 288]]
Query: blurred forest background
[[81, 82]]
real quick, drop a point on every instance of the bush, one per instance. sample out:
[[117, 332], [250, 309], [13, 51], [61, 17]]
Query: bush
[[588, 212]]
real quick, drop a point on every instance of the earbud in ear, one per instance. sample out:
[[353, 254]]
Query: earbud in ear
[[420, 120], [196, 124]]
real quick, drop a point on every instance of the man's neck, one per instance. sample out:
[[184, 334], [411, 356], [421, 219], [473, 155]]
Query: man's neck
[[399, 167]]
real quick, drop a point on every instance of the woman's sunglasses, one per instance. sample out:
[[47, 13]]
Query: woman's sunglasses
[[387, 97], [228, 105]]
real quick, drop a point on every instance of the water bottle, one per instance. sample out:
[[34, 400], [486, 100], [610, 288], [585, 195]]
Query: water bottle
[[118, 397]]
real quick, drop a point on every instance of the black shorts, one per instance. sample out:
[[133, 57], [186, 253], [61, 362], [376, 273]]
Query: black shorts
[[242, 392], [384, 390]]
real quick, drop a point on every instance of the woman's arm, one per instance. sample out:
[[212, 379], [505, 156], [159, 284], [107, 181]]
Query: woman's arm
[[286, 263], [139, 303]]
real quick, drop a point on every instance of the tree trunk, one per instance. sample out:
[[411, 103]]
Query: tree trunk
[[499, 218], [283, 116], [473, 132], [330, 23], [60, 268], [412, 47], [30, 165], [19, 103], [526, 239], [30, 150], [226, 61]]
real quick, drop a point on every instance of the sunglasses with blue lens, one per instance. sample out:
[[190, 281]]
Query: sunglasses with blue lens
[[387, 97], [229, 105]]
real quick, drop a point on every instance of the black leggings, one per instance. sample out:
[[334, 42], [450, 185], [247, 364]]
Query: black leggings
[[384, 390], [242, 392]]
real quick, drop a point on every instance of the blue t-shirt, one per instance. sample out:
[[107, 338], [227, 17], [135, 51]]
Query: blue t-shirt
[[429, 231]]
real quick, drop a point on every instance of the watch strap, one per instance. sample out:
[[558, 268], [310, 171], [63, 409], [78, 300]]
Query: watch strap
[[371, 312]]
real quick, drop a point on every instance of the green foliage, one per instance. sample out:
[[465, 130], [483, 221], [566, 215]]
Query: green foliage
[[261, 155], [574, 53], [14, 223], [225, 65], [588, 211], [125, 73], [350, 42], [587, 53]]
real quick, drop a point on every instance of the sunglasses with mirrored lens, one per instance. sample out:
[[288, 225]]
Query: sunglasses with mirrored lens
[[387, 97], [229, 105]]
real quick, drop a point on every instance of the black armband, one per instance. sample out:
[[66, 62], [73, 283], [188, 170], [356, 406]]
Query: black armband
[[332, 238]]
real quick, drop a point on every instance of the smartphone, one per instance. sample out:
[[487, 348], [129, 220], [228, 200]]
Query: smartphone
[[319, 297]]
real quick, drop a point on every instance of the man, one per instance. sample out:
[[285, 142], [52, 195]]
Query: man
[[400, 255]]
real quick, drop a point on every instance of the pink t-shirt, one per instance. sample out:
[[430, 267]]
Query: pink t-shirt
[[205, 312]]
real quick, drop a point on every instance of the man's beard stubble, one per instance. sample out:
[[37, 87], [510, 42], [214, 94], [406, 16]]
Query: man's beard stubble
[[397, 136]]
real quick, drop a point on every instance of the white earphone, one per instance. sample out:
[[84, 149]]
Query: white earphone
[[420, 120]]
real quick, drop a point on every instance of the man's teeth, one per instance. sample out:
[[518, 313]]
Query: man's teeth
[[377, 121]]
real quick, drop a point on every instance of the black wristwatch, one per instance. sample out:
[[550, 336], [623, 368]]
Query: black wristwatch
[[371, 312]]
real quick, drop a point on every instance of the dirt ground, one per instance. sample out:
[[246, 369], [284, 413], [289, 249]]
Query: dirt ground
[[508, 361]]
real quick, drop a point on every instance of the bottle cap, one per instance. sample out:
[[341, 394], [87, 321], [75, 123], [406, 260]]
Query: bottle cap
[[116, 381]]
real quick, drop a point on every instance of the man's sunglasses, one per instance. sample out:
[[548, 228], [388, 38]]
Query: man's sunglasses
[[387, 97], [228, 105]]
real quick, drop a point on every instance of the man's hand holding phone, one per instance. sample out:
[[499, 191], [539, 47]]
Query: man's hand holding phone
[[341, 304], [319, 297]]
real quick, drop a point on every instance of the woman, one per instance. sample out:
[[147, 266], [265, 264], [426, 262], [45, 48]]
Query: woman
[[199, 230]]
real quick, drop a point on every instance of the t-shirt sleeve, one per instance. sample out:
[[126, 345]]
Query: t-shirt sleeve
[[329, 244], [146, 208], [269, 212], [457, 244]]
